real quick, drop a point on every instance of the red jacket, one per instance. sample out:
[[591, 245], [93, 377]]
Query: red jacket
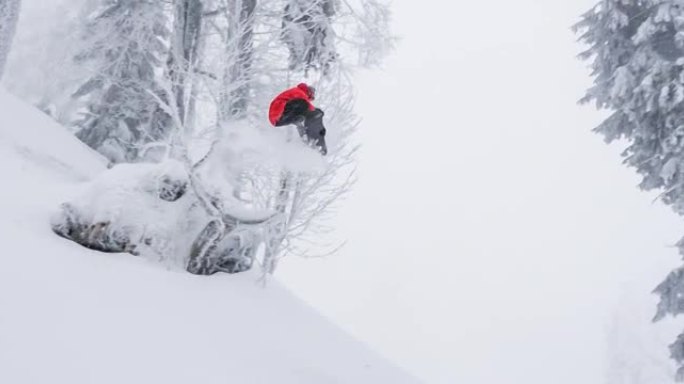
[[277, 108]]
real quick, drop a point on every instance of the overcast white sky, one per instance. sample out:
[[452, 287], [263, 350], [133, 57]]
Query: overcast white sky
[[492, 235]]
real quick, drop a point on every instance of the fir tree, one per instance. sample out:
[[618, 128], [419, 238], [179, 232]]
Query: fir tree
[[636, 49], [125, 44]]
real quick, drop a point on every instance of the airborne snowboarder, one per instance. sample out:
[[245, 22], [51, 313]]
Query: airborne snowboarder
[[294, 106]]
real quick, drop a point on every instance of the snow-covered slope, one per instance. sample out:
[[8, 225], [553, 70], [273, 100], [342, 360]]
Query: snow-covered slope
[[70, 315]]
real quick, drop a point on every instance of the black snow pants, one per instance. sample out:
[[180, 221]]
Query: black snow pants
[[309, 123]]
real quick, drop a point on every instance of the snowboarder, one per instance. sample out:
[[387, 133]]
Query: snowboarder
[[294, 106]]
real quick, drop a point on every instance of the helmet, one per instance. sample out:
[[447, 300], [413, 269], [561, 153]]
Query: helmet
[[310, 91]]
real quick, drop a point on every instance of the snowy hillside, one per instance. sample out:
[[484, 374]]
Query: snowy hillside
[[71, 315]]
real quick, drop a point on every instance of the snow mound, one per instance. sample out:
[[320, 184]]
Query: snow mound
[[72, 315]]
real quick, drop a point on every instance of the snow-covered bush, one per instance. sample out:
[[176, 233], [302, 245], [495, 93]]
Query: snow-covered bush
[[159, 211]]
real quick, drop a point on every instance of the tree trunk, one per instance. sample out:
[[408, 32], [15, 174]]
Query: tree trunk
[[184, 52], [240, 49], [9, 15]]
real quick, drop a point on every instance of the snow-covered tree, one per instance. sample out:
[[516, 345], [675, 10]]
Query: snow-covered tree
[[9, 14], [262, 194], [124, 48], [636, 50], [308, 34], [277, 59]]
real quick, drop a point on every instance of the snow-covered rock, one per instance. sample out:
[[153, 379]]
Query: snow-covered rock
[[138, 208]]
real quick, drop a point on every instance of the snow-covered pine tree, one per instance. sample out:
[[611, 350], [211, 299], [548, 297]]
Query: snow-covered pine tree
[[307, 32], [9, 14], [124, 46], [636, 50]]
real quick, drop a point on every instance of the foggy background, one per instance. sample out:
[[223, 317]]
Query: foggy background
[[492, 238]]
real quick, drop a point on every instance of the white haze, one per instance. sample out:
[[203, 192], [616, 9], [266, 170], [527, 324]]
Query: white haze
[[492, 237]]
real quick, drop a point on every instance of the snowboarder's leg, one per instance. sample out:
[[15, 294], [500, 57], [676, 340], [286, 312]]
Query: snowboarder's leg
[[309, 123], [294, 113], [314, 131]]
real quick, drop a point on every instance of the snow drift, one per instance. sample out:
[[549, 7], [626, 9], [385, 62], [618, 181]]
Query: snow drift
[[72, 315]]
